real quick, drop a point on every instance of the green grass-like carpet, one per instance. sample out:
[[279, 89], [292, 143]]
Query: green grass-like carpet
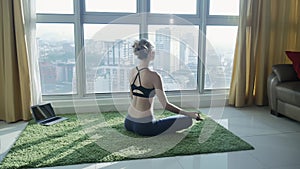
[[99, 138]]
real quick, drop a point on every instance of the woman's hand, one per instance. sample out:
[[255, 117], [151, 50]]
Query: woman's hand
[[194, 115]]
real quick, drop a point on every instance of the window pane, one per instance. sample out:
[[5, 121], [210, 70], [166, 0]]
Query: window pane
[[111, 6], [224, 7], [176, 55], [56, 58], [219, 56], [109, 56], [54, 6], [173, 6]]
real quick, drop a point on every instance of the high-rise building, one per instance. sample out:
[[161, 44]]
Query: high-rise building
[[163, 48]]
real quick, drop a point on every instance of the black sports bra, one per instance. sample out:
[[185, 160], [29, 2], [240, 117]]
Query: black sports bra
[[145, 92]]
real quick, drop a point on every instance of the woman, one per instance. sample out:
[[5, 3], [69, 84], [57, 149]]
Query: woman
[[144, 85]]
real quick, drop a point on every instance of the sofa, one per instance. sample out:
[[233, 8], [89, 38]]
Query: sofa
[[283, 89]]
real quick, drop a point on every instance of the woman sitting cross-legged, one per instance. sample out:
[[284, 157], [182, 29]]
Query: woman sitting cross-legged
[[144, 85]]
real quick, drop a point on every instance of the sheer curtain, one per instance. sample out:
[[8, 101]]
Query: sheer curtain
[[267, 28], [30, 34]]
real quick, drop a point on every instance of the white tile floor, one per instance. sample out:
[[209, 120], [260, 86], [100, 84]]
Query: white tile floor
[[276, 141]]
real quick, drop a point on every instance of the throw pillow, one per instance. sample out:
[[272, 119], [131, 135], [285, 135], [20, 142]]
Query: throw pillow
[[295, 58]]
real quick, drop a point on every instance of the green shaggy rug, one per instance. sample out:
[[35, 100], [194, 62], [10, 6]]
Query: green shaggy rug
[[96, 138]]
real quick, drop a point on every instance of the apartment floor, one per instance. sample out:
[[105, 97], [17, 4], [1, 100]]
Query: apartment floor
[[276, 141]]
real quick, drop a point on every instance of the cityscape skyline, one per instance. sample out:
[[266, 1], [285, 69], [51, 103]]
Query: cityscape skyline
[[118, 59]]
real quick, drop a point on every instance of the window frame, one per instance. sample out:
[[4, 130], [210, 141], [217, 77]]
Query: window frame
[[201, 19]]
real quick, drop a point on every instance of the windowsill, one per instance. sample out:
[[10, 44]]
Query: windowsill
[[216, 99]]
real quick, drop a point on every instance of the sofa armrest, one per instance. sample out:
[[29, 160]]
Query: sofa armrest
[[271, 91], [285, 72]]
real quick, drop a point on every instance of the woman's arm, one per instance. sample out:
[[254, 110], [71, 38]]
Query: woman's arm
[[166, 104], [130, 79]]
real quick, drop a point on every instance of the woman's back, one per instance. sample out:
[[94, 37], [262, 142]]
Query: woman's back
[[143, 91], [144, 85]]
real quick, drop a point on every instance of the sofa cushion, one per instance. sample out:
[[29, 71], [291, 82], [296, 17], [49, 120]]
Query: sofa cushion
[[295, 58], [284, 72], [289, 92]]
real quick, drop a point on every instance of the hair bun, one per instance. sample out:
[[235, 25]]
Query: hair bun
[[141, 48], [135, 44]]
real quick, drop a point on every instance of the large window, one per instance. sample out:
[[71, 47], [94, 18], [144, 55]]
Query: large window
[[55, 6], [176, 55], [85, 46], [219, 62], [173, 6], [111, 6], [56, 58], [108, 56], [224, 7]]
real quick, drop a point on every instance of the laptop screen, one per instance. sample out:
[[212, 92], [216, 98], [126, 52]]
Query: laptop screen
[[42, 112]]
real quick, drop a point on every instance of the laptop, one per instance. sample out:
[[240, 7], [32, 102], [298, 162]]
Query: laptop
[[45, 115]]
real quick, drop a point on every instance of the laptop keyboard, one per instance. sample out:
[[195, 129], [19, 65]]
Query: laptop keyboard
[[55, 118], [50, 120]]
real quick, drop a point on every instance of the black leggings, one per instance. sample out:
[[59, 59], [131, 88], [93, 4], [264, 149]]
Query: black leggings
[[148, 126]]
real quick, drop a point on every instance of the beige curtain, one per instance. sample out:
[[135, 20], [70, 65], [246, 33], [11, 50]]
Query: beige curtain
[[267, 28], [14, 73]]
